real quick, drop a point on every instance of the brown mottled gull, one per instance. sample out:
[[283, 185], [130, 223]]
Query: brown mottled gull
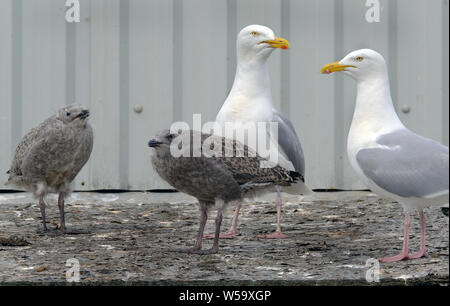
[[227, 174], [50, 156]]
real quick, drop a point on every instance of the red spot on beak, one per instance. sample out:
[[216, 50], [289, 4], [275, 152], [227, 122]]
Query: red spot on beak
[[283, 47]]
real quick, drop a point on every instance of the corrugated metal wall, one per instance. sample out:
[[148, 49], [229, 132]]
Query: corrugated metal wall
[[176, 58]]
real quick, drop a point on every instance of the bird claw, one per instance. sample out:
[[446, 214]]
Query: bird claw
[[403, 256], [395, 258], [227, 235]]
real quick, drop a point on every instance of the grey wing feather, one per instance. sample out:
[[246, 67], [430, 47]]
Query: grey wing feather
[[57, 157], [27, 142], [289, 141], [407, 165]]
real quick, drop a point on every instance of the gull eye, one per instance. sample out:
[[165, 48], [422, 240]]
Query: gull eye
[[359, 58], [68, 114], [254, 34]]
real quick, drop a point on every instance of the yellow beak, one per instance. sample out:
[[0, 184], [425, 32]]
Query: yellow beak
[[278, 42], [333, 67]]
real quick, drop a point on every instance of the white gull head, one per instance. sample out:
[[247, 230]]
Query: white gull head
[[250, 98], [361, 65], [256, 43]]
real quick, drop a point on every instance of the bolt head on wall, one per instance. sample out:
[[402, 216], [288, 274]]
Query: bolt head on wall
[[138, 108], [406, 108]]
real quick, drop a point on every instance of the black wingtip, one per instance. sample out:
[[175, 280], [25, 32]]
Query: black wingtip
[[8, 172], [445, 211], [295, 175]]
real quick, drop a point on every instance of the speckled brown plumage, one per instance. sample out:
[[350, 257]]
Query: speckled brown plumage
[[50, 155], [213, 176]]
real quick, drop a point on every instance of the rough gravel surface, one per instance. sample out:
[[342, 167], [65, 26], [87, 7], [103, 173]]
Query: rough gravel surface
[[126, 238]]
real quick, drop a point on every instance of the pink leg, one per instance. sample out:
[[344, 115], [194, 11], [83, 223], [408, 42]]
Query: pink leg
[[215, 248], [203, 218], [277, 234], [42, 208], [62, 226], [404, 253], [423, 248], [232, 232], [198, 243]]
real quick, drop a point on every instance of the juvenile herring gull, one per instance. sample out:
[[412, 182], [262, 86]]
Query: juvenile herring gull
[[250, 101], [50, 156], [213, 178], [390, 159]]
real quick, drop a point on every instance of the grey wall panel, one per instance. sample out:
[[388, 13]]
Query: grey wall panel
[[176, 58], [78, 35], [419, 54], [151, 84], [445, 70], [105, 163], [6, 87], [311, 96], [43, 63], [204, 79]]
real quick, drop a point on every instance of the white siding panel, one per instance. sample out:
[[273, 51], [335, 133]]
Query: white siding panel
[[82, 76], [104, 99], [419, 65], [312, 94], [203, 72], [6, 30], [151, 86], [176, 58], [43, 61]]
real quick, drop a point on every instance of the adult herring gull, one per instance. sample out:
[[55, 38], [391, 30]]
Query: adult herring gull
[[50, 156], [250, 101], [214, 179], [390, 159]]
